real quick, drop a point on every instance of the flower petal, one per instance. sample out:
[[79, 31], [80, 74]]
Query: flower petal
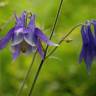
[[6, 39], [32, 23], [92, 47], [43, 37], [82, 55], [28, 36], [22, 20], [16, 51], [17, 39], [88, 47], [29, 31], [94, 24], [39, 46], [84, 34]]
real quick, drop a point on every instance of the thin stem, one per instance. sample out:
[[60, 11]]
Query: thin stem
[[51, 54], [54, 25], [42, 61], [63, 39], [78, 25], [36, 77], [26, 76]]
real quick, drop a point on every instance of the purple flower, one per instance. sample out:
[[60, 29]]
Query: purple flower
[[88, 51], [25, 37]]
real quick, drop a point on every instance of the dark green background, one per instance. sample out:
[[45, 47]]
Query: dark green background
[[61, 74]]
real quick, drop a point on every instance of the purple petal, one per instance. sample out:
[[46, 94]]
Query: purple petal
[[6, 39], [39, 46], [88, 48], [16, 51], [82, 55], [90, 35], [28, 36], [43, 37], [92, 47], [17, 38], [87, 56], [94, 24], [16, 54], [32, 23], [22, 20], [88, 59], [19, 29], [16, 17], [29, 32], [84, 35]]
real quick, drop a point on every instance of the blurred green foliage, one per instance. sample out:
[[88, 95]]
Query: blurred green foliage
[[61, 74]]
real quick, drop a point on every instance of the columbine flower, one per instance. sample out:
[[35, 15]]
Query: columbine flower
[[25, 37], [88, 52]]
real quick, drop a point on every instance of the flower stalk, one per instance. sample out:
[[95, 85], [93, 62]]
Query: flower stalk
[[26, 76], [42, 61], [78, 25]]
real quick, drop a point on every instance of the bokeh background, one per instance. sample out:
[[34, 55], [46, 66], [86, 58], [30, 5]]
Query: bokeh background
[[61, 74]]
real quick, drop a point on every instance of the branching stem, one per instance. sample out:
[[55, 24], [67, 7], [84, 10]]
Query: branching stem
[[42, 61], [26, 76], [78, 25]]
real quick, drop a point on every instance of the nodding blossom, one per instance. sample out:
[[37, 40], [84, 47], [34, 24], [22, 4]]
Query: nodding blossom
[[25, 37], [88, 52]]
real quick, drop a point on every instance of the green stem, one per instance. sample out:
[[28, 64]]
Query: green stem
[[78, 25], [42, 61], [26, 76]]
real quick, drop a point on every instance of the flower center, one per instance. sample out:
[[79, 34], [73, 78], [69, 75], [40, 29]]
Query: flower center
[[23, 47]]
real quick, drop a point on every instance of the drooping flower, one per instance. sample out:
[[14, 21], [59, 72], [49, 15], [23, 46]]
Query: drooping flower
[[25, 37], [88, 52]]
